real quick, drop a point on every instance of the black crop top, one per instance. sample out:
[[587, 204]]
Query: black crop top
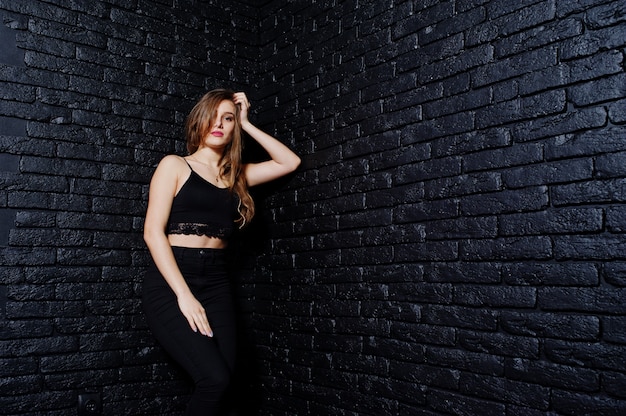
[[201, 208]]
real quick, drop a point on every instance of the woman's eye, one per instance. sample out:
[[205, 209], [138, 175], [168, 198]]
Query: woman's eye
[[229, 118]]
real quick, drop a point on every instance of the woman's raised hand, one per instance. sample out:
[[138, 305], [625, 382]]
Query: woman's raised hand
[[240, 99]]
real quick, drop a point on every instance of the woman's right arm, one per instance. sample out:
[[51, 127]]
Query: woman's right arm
[[163, 188]]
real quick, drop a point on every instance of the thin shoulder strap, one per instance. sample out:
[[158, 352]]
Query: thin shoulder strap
[[185, 159]]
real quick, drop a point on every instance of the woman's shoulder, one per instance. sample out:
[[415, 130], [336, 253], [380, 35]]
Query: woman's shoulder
[[172, 166], [173, 162]]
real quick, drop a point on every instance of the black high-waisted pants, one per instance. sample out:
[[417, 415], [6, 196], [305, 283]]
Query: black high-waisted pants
[[209, 361]]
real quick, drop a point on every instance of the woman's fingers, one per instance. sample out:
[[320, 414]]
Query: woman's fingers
[[203, 324], [199, 322], [193, 326], [241, 99], [195, 315]]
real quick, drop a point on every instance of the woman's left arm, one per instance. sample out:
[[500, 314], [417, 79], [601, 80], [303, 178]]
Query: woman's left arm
[[283, 160]]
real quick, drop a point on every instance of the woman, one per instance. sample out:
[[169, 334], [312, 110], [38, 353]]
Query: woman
[[195, 204]]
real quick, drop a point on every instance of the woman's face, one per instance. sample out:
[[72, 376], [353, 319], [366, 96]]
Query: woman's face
[[221, 131]]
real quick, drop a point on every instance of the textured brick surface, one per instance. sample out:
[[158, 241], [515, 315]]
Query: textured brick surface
[[456, 242], [93, 94], [452, 244]]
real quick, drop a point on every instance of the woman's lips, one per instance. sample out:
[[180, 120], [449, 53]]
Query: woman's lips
[[217, 133]]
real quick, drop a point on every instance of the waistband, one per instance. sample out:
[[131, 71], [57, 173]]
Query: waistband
[[206, 255]]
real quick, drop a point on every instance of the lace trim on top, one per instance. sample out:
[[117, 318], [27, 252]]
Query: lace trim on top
[[209, 230]]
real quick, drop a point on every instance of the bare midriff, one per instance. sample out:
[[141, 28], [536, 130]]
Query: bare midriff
[[196, 241]]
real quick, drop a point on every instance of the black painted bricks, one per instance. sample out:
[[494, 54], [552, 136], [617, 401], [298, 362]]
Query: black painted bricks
[[453, 243]]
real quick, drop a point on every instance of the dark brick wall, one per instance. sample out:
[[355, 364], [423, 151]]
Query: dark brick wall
[[453, 243], [92, 95]]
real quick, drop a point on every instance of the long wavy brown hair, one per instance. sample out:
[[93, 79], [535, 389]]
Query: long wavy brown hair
[[199, 124]]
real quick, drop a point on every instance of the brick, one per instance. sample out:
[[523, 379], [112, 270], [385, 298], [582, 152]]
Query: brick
[[66, 32], [81, 380], [113, 307], [427, 251], [593, 41], [584, 247], [617, 112], [390, 197], [11, 126], [520, 109], [44, 402], [456, 23], [472, 141], [443, 48], [557, 221], [610, 165], [553, 375], [20, 384], [511, 248], [515, 66], [27, 256], [430, 375], [7, 222], [547, 173], [99, 57], [480, 363], [403, 351], [26, 328], [560, 125], [528, 199], [476, 227], [420, 292], [460, 317], [598, 91], [585, 354], [465, 61], [384, 273], [615, 273], [537, 37], [590, 300], [74, 100], [513, 391], [76, 361], [423, 333], [575, 274], [552, 325], [393, 234], [495, 296], [18, 366], [424, 211], [60, 167], [462, 405], [500, 344], [431, 169], [505, 157], [574, 7], [457, 103], [12, 55], [585, 144], [605, 15], [462, 272], [614, 329], [614, 384], [49, 237], [440, 127], [31, 41], [92, 324], [38, 346]]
